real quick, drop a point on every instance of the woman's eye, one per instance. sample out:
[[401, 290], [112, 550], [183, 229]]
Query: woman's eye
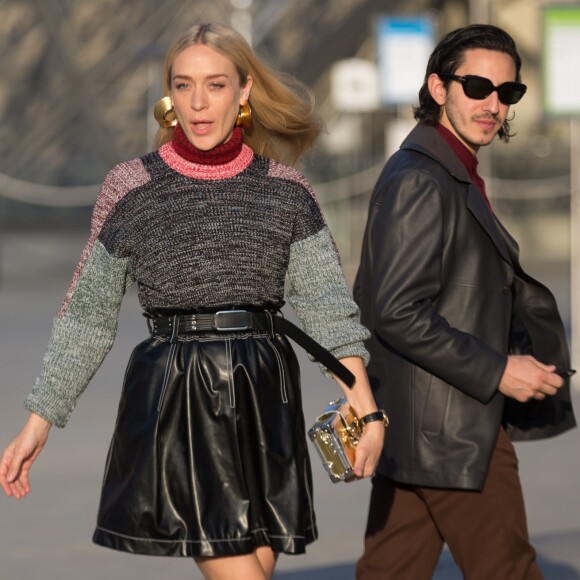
[[181, 86], [216, 85]]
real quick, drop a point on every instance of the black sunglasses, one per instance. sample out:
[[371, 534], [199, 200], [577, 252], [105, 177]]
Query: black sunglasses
[[480, 88]]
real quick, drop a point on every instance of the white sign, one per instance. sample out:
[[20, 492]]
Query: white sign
[[354, 86], [403, 49]]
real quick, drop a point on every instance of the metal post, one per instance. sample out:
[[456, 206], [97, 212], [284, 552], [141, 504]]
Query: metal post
[[241, 18], [479, 11], [575, 237], [479, 14]]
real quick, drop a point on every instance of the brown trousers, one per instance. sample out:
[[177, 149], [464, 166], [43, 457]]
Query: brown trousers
[[486, 531]]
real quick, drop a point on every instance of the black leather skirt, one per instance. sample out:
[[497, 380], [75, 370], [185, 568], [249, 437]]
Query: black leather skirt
[[209, 455]]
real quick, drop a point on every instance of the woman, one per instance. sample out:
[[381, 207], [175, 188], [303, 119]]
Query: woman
[[208, 458]]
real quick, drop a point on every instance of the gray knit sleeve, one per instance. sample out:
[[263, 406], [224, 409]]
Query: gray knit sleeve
[[82, 335], [318, 293]]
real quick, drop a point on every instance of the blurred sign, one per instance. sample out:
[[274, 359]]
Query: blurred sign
[[561, 55], [403, 49], [396, 131], [354, 86]]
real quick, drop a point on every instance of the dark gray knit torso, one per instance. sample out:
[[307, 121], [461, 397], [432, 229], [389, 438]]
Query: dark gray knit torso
[[204, 243]]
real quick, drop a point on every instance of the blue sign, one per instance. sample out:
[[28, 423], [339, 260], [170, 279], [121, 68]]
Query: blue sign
[[403, 49]]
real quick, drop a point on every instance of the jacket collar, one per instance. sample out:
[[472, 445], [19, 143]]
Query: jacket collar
[[426, 139]]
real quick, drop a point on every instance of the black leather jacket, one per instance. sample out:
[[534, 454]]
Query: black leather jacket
[[442, 291]]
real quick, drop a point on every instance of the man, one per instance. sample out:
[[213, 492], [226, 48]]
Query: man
[[466, 348]]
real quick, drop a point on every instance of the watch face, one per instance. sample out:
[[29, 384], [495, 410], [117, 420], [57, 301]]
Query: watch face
[[385, 418]]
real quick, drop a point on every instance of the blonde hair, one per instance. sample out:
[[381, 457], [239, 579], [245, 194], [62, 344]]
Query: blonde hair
[[285, 124]]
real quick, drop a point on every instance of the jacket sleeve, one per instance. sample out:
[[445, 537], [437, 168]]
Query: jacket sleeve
[[406, 239]]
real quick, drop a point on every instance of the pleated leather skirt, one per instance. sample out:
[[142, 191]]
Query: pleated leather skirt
[[209, 455]]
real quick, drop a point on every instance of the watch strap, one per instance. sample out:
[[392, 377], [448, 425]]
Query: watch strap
[[379, 415]]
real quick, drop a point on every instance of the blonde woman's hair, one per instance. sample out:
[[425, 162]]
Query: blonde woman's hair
[[285, 124]]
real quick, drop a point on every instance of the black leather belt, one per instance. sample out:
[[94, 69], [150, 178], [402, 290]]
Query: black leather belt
[[224, 320], [240, 320]]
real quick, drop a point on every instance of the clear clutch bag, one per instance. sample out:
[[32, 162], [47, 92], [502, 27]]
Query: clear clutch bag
[[335, 435]]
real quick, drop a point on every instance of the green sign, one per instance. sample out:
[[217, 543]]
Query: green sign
[[561, 60]]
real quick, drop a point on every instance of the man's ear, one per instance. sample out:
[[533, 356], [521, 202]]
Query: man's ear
[[437, 89]]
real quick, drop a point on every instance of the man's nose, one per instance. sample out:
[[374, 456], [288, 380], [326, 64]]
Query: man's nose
[[491, 103]]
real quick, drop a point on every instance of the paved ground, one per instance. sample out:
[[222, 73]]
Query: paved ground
[[47, 535]]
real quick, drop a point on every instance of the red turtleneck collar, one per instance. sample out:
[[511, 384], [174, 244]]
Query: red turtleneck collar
[[219, 155]]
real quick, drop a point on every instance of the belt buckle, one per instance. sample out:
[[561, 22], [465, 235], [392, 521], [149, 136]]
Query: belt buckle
[[229, 327]]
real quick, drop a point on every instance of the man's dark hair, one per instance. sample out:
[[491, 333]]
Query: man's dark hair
[[448, 56]]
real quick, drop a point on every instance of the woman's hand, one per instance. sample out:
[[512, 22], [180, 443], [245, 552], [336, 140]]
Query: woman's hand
[[18, 457], [361, 399], [368, 450]]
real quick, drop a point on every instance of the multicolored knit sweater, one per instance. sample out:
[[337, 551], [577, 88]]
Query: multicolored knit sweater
[[196, 235]]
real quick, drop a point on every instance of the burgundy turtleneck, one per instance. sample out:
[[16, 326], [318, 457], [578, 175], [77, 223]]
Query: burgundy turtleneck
[[219, 155], [467, 158]]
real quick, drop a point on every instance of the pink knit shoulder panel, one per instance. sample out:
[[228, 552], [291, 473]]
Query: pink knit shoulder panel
[[122, 179], [282, 171]]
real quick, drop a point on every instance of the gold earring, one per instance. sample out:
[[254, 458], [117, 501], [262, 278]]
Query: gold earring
[[244, 118], [164, 113]]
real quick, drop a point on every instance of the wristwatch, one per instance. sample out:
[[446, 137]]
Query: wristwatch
[[379, 415]]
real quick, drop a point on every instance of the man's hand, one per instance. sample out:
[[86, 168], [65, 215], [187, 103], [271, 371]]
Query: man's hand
[[526, 378]]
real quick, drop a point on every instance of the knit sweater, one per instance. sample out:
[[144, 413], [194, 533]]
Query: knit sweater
[[196, 236]]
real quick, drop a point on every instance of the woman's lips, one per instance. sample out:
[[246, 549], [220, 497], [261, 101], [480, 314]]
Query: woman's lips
[[201, 127]]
